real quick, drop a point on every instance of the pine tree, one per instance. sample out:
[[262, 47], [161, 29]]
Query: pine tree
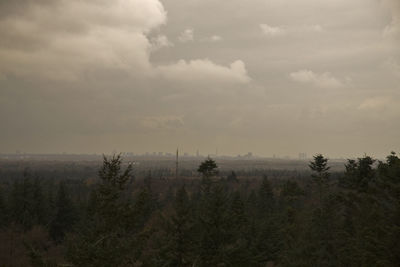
[[359, 174], [322, 228], [51, 201], [207, 169], [108, 239], [238, 214], [22, 202], [65, 215], [142, 208], [389, 171], [179, 248], [266, 199], [3, 210], [238, 252], [290, 194], [321, 175], [290, 227], [232, 177], [214, 225], [111, 195], [265, 242], [92, 204], [38, 202]]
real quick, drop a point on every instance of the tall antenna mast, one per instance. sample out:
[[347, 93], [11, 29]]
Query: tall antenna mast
[[176, 170]]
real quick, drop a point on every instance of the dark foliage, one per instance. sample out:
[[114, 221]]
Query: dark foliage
[[324, 219]]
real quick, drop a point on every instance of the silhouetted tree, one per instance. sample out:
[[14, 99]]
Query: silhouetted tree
[[180, 245], [3, 210], [238, 252], [109, 239], [214, 225], [266, 199], [359, 174], [65, 215], [232, 177], [208, 169], [320, 176], [22, 202], [39, 205]]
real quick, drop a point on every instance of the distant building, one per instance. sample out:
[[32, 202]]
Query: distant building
[[249, 155]]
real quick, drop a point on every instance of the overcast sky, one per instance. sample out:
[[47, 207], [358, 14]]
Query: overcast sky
[[266, 76]]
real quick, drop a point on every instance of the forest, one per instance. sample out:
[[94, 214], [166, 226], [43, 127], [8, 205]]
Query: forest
[[121, 218]]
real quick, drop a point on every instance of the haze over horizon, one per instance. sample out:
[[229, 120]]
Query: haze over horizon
[[266, 76], [50, 155]]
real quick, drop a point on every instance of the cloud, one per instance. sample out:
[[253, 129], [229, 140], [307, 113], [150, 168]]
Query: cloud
[[159, 42], [393, 29], [324, 80], [374, 103], [162, 122], [186, 36], [272, 31], [204, 70], [393, 67], [66, 39], [215, 38], [310, 28], [77, 40], [212, 39]]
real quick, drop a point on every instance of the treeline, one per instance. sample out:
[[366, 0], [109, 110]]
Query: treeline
[[327, 219]]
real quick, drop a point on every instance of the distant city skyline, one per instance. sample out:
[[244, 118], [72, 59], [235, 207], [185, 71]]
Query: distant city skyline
[[196, 154]]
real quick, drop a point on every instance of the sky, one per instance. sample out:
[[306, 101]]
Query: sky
[[262, 76]]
